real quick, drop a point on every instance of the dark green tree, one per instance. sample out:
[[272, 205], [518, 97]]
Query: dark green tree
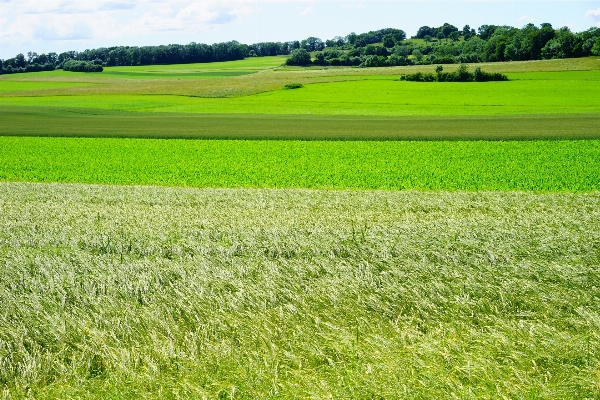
[[486, 31], [299, 57], [389, 41], [447, 29], [596, 47], [424, 30], [20, 61]]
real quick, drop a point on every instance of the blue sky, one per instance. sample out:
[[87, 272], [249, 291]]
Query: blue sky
[[60, 25]]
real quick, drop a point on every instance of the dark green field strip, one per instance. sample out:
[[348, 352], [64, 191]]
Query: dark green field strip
[[545, 166], [42, 121]]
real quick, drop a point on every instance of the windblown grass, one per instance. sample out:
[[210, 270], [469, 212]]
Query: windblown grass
[[113, 292]]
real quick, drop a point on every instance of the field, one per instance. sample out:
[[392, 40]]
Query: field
[[245, 293], [547, 166], [198, 231]]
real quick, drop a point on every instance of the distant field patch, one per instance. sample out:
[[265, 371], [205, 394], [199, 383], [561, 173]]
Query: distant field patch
[[88, 122], [544, 166], [16, 86], [376, 96], [175, 74]]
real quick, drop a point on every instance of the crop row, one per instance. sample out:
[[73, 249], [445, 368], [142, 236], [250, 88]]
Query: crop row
[[545, 166]]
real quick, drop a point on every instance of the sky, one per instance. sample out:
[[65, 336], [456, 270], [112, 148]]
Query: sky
[[44, 26]]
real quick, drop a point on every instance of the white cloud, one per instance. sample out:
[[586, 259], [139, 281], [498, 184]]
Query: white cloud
[[353, 6], [594, 14], [308, 11], [26, 21], [526, 18]]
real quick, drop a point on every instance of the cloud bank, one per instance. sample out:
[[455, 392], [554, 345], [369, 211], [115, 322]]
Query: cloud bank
[[31, 20]]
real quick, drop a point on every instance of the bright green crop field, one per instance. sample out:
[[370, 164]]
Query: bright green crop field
[[546, 166], [198, 231]]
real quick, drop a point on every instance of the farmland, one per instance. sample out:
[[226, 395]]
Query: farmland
[[112, 291], [547, 166], [197, 230]]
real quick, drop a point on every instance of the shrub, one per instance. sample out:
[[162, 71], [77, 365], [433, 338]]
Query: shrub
[[81, 66], [299, 57], [294, 86], [460, 75]]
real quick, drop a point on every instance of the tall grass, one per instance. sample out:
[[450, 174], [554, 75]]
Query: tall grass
[[112, 292]]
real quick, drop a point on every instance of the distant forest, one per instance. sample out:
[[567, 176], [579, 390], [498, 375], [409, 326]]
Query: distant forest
[[386, 47]]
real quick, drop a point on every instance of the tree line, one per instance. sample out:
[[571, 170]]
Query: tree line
[[445, 44]]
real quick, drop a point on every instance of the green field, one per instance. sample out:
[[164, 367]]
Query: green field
[[546, 166], [198, 231], [79, 122], [526, 93]]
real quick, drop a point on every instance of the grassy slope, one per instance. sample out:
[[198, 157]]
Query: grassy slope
[[113, 292], [546, 93], [479, 165], [534, 105]]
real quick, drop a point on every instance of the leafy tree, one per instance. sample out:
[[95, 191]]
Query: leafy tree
[[454, 36], [81, 66], [486, 31], [320, 58], [396, 60], [447, 29], [427, 38], [402, 51], [440, 36], [337, 41], [299, 57], [351, 38], [389, 41], [423, 31], [535, 40], [596, 48], [312, 44], [360, 42], [374, 61], [20, 61]]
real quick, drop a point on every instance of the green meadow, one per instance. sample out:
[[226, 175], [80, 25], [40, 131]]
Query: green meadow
[[199, 231], [526, 93]]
